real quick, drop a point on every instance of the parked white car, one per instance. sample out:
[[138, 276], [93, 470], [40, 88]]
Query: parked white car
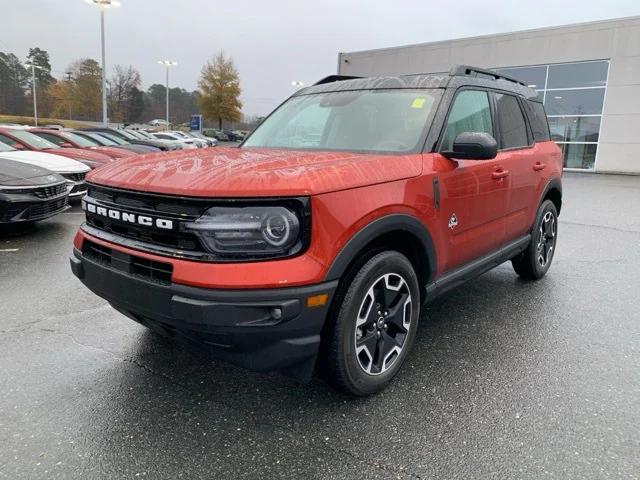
[[186, 137], [73, 171], [187, 143]]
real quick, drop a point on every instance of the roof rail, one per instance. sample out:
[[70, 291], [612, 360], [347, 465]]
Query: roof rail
[[461, 70], [334, 78]]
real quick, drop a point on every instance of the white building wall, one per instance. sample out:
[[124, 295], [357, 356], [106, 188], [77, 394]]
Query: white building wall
[[615, 40]]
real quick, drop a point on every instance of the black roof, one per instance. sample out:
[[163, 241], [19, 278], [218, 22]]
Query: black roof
[[460, 75]]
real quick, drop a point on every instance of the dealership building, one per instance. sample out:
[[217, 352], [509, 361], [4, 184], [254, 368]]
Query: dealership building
[[588, 76]]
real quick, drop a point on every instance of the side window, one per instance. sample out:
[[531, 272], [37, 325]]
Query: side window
[[470, 113], [538, 121], [8, 141], [513, 128], [51, 138]]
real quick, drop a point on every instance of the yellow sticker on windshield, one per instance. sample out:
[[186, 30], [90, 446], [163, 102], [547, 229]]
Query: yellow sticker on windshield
[[418, 103]]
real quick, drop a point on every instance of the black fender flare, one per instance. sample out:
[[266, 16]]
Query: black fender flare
[[554, 183], [380, 226]]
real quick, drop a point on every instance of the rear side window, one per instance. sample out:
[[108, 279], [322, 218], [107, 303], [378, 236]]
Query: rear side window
[[513, 127], [470, 113], [538, 121]]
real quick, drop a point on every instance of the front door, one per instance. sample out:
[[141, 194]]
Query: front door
[[474, 193]]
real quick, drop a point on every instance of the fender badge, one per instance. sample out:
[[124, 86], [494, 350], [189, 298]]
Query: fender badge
[[453, 221]]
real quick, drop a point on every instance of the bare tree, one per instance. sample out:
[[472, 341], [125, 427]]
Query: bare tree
[[124, 94]]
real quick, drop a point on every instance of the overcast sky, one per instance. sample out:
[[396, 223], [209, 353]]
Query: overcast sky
[[272, 41]]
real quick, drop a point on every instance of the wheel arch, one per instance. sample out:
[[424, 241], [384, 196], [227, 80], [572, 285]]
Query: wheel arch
[[553, 192], [400, 232]]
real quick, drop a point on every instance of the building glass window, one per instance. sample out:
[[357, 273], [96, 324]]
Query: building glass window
[[574, 102], [573, 96]]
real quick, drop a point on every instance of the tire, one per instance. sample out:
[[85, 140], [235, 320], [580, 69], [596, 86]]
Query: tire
[[534, 262], [366, 349]]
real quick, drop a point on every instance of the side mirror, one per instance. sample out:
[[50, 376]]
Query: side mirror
[[18, 146], [66, 145], [473, 146]]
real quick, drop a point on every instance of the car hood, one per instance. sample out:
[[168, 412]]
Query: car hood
[[18, 174], [114, 152], [80, 154], [229, 172], [55, 163]]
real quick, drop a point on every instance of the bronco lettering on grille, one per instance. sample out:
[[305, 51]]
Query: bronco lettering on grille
[[128, 217]]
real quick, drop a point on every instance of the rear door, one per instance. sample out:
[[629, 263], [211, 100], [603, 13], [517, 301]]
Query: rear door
[[519, 157], [474, 194]]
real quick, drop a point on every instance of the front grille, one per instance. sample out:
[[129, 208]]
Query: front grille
[[46, 208], [33, 211], [81, 187], [51, 191], [150, 204], [157, 272], [177, 242], [75, 177]]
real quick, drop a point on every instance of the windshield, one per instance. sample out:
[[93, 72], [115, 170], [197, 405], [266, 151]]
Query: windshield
[[113, 138], [361, 120], [34, 141], [77, 139], [6, 148], [125, 134], [100, 140], [136, 134], [146, 135]]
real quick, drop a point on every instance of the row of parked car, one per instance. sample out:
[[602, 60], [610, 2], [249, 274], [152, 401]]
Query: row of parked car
[[42, 168]]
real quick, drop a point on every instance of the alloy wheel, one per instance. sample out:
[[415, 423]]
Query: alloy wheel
[[546, 239], [383, 323]]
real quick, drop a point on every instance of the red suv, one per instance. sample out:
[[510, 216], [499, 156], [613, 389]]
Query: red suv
[[353, 203]]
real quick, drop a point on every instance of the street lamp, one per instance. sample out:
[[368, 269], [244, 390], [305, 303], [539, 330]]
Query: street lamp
[[33, 67], [102, 4], [297, 84], [167, 64]]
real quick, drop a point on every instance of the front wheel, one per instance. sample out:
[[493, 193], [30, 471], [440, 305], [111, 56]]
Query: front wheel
[[376, 324], [534, 262]]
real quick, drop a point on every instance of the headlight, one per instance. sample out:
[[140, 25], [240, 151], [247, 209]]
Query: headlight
[[251, 231]]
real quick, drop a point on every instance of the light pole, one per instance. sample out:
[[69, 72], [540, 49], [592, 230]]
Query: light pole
[[167, 64], [33, 67], [102, 4]]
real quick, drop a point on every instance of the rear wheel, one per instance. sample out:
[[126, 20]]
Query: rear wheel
[[375, 325], [534, 262]]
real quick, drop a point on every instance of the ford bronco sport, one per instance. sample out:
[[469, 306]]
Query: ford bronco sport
[[323, 234]]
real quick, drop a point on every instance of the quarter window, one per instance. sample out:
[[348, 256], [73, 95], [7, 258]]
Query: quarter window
[[470, 113], [538, 121], [513, 128]]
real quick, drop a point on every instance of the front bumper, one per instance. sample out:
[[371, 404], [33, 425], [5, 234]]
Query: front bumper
[[239, 326]]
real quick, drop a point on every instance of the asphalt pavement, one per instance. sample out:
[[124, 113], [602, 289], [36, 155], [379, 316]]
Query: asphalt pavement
[[507, 379]]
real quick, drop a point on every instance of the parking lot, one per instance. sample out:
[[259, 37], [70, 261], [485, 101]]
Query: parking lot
[[507, 379]]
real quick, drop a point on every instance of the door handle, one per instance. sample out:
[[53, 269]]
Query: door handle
[[500, 174], [538, 166]]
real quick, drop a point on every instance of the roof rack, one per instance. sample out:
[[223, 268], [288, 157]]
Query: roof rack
[[335, 78], [461, 70]]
